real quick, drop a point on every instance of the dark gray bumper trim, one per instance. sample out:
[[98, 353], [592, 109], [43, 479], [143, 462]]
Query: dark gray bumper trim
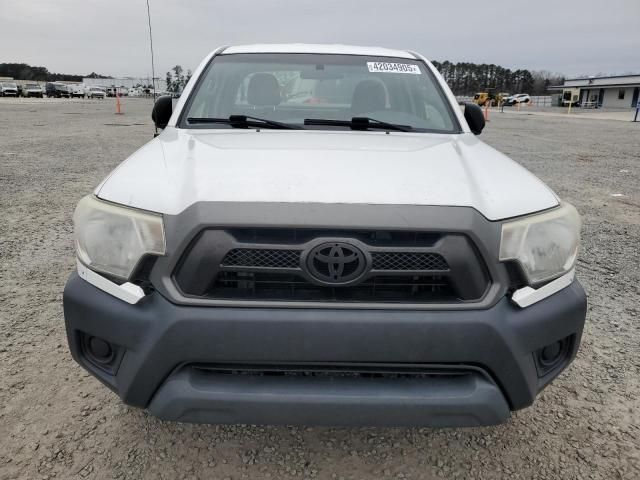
[[159, 337], [191, 395]]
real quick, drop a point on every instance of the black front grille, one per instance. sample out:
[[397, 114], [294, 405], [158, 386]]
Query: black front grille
[[293, 287], [261, 258], [408, 261], [252, 264]]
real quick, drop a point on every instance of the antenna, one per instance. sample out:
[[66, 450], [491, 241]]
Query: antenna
[[153, 68]]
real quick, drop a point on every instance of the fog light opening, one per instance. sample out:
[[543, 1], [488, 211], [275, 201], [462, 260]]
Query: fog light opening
[[100, 349], [552, 356], [100, 352]]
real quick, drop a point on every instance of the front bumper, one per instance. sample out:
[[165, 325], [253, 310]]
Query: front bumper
[[485, 359]]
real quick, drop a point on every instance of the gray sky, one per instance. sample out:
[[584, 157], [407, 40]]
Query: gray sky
[[111, 37]]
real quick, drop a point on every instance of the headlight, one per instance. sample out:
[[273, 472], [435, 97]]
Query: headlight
[[112, 239], [546, 245]]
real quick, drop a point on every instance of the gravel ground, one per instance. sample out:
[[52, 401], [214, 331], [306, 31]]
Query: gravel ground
[[58, 422]]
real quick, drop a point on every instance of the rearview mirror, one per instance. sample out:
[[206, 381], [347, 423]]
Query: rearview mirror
[[162, 110], [474, 117]]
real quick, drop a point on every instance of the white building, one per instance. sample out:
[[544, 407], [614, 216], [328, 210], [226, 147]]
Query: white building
[[619, 91]]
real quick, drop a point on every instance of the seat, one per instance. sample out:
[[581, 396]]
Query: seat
[[263, 90], [368, 96]]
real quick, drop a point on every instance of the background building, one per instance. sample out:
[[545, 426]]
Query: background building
[[620, 91]]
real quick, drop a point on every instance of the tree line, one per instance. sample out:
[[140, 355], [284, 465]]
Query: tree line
[[466, 78], [23, 71], [176, 79]]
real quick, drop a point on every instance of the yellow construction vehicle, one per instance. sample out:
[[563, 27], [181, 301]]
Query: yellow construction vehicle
[[490, 98], [482, 98]]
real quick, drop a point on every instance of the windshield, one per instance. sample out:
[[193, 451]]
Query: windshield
[[292, 88], [9, 85]]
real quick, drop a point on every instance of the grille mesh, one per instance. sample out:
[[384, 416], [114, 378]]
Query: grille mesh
[[262, 258], [408, 261]]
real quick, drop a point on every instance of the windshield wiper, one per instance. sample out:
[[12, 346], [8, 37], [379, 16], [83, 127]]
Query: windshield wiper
[[358, 123], [245, 121]]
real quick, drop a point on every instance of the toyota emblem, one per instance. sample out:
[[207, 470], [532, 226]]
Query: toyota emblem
[[336, 263]]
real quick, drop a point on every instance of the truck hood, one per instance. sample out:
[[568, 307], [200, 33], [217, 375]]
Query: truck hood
[[181, 167]]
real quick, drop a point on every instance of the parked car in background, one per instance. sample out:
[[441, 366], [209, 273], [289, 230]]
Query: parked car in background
[[96, 92], [57, 90], [31, 90], [518, 98], [76, 90], [501, 97], [8, 89]]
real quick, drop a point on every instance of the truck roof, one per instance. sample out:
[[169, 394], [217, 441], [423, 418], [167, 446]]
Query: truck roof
[[317, 48]]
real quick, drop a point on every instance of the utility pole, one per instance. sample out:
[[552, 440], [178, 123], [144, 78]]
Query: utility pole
[[153, 68]]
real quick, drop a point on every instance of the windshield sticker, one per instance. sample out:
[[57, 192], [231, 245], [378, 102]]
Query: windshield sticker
[[380, 67]]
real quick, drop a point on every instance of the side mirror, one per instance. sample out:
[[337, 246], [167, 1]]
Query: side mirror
[[162, 110], [474, 117]]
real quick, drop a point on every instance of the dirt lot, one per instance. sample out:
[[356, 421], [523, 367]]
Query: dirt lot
[[58, 422]]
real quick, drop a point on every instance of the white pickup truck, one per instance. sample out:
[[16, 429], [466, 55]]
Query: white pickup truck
[[8, 89], [318, 236], [77, 90], [96, 92], [32, 90]]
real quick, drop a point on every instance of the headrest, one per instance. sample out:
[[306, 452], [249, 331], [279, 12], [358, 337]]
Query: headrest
[[368, 96], [263, 90]]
